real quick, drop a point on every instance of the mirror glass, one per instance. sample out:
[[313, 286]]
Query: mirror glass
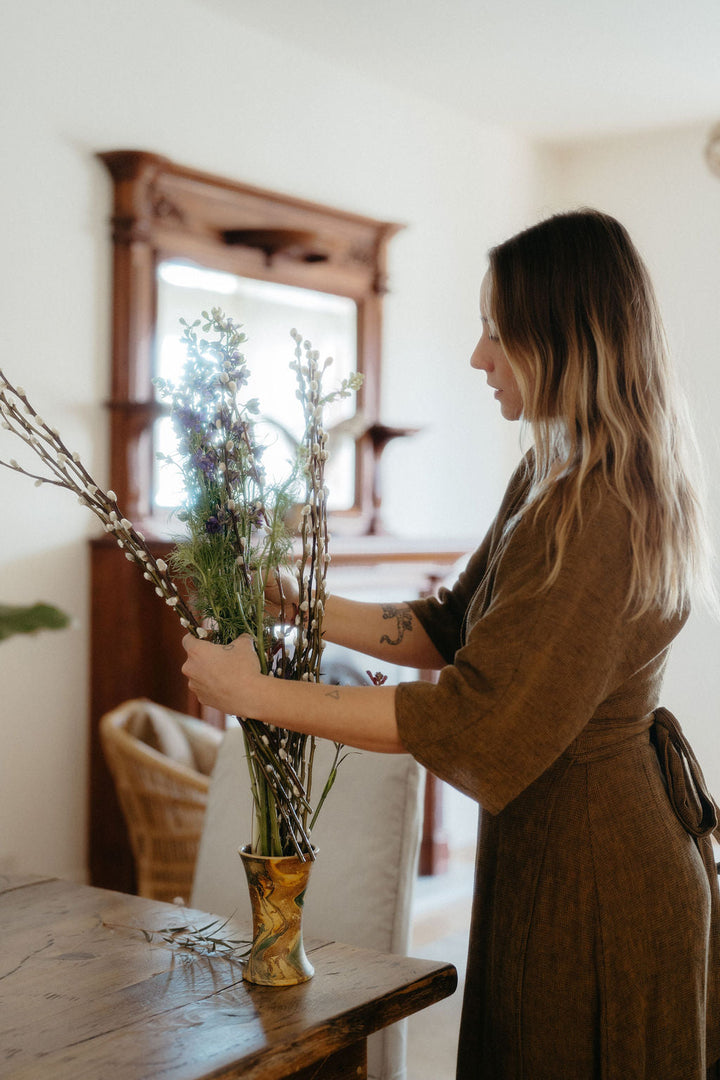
[[267, 311]]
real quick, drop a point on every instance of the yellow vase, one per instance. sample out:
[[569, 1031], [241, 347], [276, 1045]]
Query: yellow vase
[[277, 893]]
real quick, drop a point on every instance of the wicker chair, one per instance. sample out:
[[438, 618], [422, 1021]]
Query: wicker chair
[[161, 762]]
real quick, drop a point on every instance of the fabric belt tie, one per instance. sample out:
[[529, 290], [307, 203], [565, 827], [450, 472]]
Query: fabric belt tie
[[687, 791]]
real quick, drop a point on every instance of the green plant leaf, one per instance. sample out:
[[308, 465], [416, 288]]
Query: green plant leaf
[[29, 619]]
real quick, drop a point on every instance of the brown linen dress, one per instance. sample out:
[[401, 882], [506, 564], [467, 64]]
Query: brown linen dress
[[595, 939]]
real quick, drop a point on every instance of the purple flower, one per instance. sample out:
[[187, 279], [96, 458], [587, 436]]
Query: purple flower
[[212, 525], [204, 462], [187, 419]]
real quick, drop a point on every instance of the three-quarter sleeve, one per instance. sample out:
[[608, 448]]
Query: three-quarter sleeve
[[534, 667]]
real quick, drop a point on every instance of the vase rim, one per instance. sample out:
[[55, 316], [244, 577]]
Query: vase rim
[[245, 852]]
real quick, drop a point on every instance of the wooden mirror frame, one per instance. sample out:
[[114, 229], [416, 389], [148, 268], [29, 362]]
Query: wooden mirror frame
[[166, 211]]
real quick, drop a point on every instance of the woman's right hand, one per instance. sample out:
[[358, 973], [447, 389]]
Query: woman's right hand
[[282, 595]]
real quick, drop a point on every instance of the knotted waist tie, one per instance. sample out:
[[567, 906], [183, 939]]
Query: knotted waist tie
[[687, 791], [688, 794]]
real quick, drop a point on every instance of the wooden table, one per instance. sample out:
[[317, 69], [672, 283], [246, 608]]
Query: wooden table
[[84, 995]]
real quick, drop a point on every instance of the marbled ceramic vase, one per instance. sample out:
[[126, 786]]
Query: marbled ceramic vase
[[277, 887]]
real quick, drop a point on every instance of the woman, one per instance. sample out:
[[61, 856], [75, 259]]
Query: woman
[[595, 938]]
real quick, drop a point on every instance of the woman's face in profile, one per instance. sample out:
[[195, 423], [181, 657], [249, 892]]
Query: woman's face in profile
[[489, 356]]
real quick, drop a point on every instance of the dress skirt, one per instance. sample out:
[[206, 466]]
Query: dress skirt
[[592, 928]]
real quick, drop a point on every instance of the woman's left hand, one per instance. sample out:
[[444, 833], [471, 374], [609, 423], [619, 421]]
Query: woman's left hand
[[223, 676]]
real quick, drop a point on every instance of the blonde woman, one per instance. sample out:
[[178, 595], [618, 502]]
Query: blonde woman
[[595, 939]]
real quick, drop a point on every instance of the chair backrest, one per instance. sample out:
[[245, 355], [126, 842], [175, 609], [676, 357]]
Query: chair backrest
[[155, 756], [361, 885]]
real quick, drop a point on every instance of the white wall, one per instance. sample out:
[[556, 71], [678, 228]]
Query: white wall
[[659, 186], [177, 79]]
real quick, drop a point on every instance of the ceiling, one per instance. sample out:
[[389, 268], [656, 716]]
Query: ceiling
[[554, 70]]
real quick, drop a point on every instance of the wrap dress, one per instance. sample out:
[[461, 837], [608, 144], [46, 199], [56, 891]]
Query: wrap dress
[[594, 948]]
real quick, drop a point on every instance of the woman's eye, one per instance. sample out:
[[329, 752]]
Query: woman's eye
[[489, 329]]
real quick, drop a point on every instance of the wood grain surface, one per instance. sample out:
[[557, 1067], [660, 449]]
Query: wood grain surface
[[85, 995]]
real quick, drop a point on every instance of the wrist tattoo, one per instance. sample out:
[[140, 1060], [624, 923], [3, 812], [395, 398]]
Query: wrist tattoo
[[404, 617], [334, 694]]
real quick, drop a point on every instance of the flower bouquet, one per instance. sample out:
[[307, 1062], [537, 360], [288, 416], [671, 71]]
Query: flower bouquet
[[238, 534]]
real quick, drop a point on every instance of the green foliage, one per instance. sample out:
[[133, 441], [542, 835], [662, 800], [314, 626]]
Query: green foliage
[[29, 619]]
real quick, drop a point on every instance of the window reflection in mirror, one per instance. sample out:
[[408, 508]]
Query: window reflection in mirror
[[267, 311]]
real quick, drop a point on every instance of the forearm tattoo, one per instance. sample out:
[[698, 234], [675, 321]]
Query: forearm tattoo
[[404, 617]]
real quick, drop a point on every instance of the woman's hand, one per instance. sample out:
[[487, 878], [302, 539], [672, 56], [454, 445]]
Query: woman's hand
[[226, 677], [281, 594]]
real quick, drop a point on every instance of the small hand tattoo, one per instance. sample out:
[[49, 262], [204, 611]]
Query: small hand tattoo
[[333, 694], [404, 617]]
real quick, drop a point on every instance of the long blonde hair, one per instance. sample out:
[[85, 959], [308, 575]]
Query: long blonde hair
[[575, 311]]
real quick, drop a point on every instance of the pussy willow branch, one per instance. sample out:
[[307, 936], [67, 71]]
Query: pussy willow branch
[[67, 471]]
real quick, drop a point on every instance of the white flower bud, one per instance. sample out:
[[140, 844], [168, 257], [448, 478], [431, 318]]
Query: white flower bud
[[39, 421], [20, 391], [112, 496], [148, 577], [129, 556], [172, 601], [161, 565], [125, 523], [159, 591], [202, 632], [120, 543]]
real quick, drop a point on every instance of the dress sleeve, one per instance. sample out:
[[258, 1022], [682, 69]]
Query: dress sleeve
[[535, 665], [443, 617]]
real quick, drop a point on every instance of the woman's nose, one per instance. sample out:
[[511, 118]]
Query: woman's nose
[[479, 360]]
